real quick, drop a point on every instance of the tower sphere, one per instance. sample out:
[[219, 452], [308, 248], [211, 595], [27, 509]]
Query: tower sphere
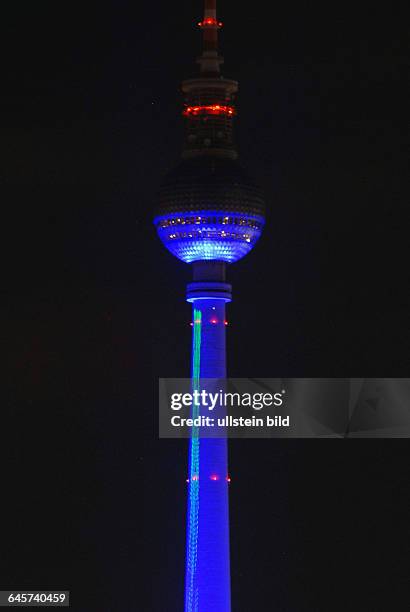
[[208, 208]]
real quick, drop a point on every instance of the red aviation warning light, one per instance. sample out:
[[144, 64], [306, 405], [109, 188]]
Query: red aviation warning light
[[210, 21], [212, 109]]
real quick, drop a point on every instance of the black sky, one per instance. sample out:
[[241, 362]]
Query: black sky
[[93, 306]]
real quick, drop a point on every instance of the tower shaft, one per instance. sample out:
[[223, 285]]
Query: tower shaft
[[207, 581]]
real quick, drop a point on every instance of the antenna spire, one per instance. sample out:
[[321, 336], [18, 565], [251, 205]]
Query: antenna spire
[[210, 61]]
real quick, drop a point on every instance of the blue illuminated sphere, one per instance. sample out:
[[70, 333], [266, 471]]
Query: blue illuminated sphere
[[208, 208]]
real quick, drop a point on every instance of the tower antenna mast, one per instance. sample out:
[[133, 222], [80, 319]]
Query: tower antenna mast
[[210, 61]]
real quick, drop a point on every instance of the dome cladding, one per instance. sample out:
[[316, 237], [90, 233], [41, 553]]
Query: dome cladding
[[209, 183]]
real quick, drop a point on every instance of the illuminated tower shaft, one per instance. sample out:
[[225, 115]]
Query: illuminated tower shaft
[[207, 582]]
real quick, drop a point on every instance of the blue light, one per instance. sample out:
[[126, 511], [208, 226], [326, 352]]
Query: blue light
[[209, 235], [207, 581]]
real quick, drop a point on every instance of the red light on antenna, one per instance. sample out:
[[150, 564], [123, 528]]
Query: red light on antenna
[[225, 322], [214, 321], [209, 21], [228, 479], [195, 477], [214, 477]]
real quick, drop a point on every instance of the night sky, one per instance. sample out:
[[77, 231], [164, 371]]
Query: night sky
[[93, 308]]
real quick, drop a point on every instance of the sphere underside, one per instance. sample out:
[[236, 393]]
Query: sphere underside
[[209, 235], [209, 209]]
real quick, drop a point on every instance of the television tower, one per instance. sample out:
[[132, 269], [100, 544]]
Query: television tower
[[209, 214]]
